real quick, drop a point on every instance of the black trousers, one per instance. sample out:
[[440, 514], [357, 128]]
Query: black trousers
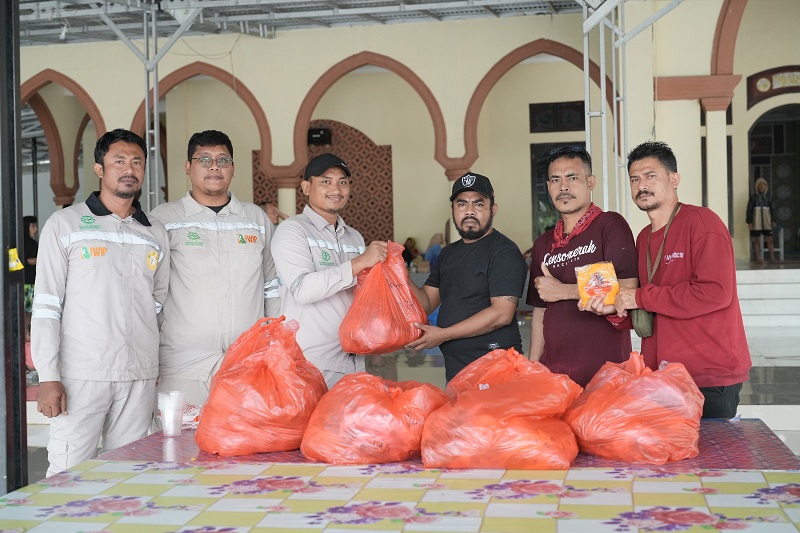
[[721, 402]]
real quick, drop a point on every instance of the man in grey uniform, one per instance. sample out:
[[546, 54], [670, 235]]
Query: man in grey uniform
[[222, 277], [318, 257], [102, 274]]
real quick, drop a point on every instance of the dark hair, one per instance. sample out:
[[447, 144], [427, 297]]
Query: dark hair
[[114, 136], [208, 138], [27, 221], [657, 149], [569, 152]]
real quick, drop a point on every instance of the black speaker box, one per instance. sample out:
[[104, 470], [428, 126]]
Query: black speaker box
[[319, 136]]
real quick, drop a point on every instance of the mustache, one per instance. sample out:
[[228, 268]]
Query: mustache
[[470, 218], [563, 195], [640, 194]]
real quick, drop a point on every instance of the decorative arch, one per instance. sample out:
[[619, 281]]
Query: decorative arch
[[63, 195], [722, 52], [540, 46], [199, 68], [28, 94], [288, 176]]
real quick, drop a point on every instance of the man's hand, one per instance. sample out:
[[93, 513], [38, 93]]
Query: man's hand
[[51, 398], [626, 299], [597, 306], [432, 336], [375, 253], [552, 290]]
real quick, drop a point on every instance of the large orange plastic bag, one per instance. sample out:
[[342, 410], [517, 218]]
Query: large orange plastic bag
[[631, 413], [495, 368], [597, 279], [365, 419], [263, 394], [382, 316], [512, 425]]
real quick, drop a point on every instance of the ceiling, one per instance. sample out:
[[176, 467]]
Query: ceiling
[[53, 22]]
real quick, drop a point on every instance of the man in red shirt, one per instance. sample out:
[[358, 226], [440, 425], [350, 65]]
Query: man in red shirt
[[698, 321]]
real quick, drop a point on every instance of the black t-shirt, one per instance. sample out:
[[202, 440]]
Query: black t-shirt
[[30, 249], [467, 276]]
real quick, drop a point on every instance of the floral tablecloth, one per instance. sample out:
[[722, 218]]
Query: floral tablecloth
[[744, 478], [230, 496]]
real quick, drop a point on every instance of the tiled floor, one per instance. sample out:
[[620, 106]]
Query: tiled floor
[[772, 392]]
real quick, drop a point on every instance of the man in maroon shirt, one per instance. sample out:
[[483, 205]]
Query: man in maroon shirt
[[562, 338], [698, 321]]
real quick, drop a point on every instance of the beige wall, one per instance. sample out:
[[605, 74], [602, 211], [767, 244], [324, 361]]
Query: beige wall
[[451, 59]]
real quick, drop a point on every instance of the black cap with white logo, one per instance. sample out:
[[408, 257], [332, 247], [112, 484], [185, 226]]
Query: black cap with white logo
[[472, 182]]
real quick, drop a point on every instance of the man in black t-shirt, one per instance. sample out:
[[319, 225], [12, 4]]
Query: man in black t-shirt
[[478, 281]]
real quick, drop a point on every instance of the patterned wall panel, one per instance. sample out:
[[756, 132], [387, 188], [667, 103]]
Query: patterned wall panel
[[370, 209]]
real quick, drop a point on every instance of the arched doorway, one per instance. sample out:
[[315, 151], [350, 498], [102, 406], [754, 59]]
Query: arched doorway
[[774, 142]]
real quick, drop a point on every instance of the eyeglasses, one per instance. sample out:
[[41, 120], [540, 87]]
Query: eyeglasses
[[222, 162]]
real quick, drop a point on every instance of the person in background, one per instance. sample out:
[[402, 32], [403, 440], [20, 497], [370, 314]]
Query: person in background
[[102, 275], [698, 321], [30, 249], [478, 281], [275, 215], [318, 257], [434, 248], [410, 251], [222, 276], [583, 235], [760, 220]]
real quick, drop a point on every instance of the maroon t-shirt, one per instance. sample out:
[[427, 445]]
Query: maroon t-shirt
[[578, 343]]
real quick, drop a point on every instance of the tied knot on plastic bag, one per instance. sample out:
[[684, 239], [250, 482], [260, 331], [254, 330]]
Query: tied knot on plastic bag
[[631, 413], [263, 394], [382, 316]]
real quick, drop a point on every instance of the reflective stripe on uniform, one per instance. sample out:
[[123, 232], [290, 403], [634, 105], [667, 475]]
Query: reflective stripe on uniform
[[47, 299], [46, 313], [217, 226], [346, 248], [124, 238]]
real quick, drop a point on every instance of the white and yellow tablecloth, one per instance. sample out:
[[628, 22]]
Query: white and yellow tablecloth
[[233, 496]]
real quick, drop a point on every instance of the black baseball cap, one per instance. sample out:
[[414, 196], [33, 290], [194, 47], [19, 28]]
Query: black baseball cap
[[321, 163], [473, 182]]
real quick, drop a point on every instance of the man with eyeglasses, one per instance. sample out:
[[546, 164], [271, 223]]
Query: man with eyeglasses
[[563, 338], [478, 281], [222, 278], [318, 257]]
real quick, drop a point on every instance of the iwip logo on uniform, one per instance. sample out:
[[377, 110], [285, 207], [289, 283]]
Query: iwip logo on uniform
[[247, 239], [88, 252]]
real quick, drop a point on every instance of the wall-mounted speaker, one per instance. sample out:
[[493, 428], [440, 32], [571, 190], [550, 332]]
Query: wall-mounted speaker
[[319, 136]]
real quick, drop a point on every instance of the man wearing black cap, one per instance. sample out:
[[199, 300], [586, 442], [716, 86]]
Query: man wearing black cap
[[318, 257], [478, 281]]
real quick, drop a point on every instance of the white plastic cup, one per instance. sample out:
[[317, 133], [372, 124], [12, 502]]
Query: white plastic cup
[[171, 404]]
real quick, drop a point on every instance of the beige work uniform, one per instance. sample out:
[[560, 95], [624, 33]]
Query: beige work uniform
[[222, 280], [101, 280], [315, 274]]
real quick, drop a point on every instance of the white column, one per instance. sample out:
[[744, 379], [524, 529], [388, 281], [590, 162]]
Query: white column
[[286, 200], [717, 162]]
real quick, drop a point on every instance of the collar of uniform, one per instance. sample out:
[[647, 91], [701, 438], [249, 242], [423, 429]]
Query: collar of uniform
[[192, 207], [97, 208], [320, 222]]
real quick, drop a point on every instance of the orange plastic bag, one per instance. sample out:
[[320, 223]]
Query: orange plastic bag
[[597, 279], [631, 413], [382, 316], [513, 425], [263, 394], [365, 419], [495, 368]]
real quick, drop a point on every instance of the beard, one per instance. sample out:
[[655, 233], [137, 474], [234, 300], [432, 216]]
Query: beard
[[474, 234], [648, 207]]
